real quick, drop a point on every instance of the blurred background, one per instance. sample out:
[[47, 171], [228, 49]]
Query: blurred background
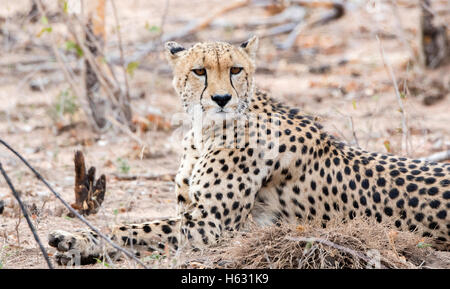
[[91, 76]]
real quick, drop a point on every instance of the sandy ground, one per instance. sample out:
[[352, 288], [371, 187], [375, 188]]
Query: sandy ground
[[354, 98]]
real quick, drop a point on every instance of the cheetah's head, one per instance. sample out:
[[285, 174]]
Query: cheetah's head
[[214, 77]]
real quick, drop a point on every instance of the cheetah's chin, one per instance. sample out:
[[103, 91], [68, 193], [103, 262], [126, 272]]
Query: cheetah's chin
[[220, 115]]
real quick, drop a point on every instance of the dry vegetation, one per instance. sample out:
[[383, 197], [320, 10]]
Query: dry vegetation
[[354, 245], [342, 71]]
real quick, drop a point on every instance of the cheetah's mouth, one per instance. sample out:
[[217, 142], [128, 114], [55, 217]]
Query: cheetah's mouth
[[222, 110], [220, 113]]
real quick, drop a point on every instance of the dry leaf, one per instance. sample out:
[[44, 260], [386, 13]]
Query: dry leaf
[[300, 228], [387, 145]]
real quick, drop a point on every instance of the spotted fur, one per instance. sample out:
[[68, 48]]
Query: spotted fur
[[255, 156]]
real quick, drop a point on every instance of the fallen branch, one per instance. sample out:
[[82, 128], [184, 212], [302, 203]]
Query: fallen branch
[[204, 23], [29, 60], [74, 212], [151, 177], [43, 67], [189, 29], [27, 217], [438, 157], [338, 12], [293, 14], [337, 6]]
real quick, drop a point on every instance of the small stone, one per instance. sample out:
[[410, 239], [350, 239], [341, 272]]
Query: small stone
[[43, 195]]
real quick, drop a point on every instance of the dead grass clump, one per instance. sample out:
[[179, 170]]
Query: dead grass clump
[[356, 244]]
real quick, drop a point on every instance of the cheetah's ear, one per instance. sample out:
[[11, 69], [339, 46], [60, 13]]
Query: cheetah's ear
[[173, 51], [251, 46]]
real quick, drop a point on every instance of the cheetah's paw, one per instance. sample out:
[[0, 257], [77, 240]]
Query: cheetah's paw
[[73, 248]]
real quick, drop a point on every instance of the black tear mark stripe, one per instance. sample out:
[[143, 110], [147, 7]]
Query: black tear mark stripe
[[206, 80], [206, 85]]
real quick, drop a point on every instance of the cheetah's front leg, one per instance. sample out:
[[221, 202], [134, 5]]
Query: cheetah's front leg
[[83, 246], [182, 180]]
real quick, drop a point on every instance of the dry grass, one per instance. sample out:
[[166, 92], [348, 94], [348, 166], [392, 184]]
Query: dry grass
[[356, 244]]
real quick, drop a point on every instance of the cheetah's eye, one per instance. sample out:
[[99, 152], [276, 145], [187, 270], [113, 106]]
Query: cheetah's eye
[[199, 71], [235, 70]]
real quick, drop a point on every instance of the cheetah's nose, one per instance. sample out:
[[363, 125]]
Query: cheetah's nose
[[221, 99]]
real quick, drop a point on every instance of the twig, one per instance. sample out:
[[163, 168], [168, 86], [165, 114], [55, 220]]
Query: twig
[[44, 67], [27, 217], [150, 177], [277, 30], [112, 90], [92, 38], [66, 72], [293, 36], [438, 157], [399, 99], [17, 228], [125, 129], [355, 139], [268, 259], [108, 240], [122, 58], [202, 24], [293, 14], [29, 60], [163, 20]]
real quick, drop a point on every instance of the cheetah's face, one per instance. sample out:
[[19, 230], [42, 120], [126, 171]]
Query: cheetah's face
[[216, 78]]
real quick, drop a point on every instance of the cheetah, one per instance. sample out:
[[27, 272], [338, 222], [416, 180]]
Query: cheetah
[[248, 155]]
